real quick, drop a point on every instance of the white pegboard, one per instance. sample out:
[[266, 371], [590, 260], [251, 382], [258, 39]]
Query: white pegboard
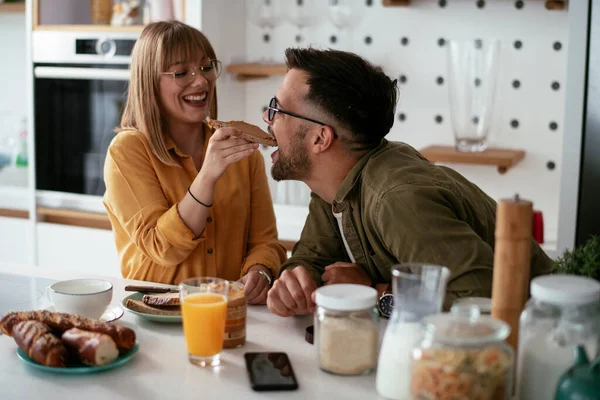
[[421, 59]]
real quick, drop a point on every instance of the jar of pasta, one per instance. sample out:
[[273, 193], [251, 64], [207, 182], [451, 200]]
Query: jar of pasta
[[346, 329], [462, 355]]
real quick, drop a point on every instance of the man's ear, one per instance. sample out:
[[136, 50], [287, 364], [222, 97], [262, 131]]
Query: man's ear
[[323, 139]]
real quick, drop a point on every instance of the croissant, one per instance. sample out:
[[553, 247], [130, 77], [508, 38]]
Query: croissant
[[60, 322], [93, 348], [35, 339]]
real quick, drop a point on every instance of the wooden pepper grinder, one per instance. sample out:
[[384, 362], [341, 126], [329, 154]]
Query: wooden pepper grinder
[[512, 262]]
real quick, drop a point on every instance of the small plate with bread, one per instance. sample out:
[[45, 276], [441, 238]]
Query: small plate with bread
[[157, 307], [67, 343]]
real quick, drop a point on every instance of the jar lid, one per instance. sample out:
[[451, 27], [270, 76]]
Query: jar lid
[[565, 289], [465, 326], [484, 303], [346, 297]]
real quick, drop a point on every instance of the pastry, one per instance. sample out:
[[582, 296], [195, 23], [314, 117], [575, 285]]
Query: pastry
[[37, 341], [92, 348], [59, 322]]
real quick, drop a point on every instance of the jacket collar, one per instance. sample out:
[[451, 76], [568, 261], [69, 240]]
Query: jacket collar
[[352, 177]]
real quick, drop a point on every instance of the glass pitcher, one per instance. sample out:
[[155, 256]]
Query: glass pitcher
[[419, 291]]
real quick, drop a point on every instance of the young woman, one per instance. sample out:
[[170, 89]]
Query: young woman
[[184, 201]]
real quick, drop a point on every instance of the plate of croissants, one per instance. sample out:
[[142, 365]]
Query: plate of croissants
[[67, 343]]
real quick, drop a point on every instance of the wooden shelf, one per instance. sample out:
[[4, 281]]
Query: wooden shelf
[[395, 3], [18, 7], [550, 4], [251, 71], [503, 159], [86, 28], [556, 4]]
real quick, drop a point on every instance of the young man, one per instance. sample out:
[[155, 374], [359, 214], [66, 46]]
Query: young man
[[374, 203]]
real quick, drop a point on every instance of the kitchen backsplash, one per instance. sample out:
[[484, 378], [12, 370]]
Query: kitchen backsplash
[[410, 43]]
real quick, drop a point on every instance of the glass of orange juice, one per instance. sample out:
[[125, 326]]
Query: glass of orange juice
[[204, 312]]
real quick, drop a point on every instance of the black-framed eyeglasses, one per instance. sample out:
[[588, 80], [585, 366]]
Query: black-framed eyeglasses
[[272, 108], [183, 75]]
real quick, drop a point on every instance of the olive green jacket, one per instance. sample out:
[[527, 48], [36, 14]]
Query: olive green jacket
[[397, 207]]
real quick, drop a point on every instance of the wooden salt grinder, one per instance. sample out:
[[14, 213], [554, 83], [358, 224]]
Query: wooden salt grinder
[[512, 262]]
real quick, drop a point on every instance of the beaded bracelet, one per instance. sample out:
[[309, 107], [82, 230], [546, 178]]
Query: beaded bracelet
[[194, 197]]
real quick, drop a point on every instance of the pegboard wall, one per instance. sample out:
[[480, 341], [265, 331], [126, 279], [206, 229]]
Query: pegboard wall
[[410, 44]]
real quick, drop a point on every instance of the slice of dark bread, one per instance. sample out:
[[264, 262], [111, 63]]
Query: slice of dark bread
[[251, 133], [162, 299], [139, 306]]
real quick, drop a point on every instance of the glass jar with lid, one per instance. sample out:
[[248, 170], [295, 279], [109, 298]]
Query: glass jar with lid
[[462, 355], [562, 313], [346, 329]]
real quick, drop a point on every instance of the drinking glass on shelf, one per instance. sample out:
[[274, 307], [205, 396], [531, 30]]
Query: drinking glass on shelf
[[266, 14], [303, 14], [472, 77], [345, 14], [204, 312]]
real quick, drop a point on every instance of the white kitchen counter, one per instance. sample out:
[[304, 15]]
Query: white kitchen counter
[[160, 370]]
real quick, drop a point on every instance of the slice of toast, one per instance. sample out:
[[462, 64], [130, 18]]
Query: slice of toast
[[251, 133], [161, 299], [139, 306]]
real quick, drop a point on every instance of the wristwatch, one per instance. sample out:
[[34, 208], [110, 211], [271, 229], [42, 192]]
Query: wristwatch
[[385, 304], [266, 275]]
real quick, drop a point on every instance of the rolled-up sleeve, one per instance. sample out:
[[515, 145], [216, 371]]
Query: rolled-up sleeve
[[136, 204], [263, 245]]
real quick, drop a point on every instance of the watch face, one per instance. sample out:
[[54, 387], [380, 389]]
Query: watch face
[[386, 305]]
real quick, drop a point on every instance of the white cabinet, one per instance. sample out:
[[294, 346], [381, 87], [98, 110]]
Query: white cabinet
[[16, 240], [73, 248]]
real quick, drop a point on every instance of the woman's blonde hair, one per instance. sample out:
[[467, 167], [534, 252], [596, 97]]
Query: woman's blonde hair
[[159, 46]]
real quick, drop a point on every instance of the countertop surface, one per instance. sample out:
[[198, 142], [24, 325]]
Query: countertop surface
[[160, 369]]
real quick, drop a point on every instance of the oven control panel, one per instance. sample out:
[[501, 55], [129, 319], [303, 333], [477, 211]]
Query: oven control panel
[[106, 47]]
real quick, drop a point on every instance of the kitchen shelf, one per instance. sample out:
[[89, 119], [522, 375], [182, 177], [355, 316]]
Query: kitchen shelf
[[503, 159], [88, 28], [550, 4], [18, 7], [251, 71]]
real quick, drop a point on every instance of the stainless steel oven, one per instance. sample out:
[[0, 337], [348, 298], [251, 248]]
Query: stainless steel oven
[[80, 85]]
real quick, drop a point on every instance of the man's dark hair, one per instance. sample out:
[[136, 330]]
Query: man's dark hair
[[351, 90]]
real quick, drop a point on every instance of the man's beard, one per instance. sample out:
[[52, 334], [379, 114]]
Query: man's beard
[[295, 166]]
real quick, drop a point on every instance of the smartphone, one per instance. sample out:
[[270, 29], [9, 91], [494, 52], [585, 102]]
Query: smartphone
[[270, 371]]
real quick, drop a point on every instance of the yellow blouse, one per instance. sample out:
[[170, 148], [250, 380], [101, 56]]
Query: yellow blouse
[[153, 242]]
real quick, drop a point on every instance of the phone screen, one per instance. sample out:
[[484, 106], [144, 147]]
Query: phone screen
[[270, 371]]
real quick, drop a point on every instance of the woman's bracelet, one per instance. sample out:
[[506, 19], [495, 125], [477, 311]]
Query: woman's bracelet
[[194, 197]]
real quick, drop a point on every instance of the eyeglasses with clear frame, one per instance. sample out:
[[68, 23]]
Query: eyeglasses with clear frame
[[183, 75]]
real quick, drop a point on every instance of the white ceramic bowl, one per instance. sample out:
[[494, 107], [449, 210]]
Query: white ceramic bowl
[[86, 297]]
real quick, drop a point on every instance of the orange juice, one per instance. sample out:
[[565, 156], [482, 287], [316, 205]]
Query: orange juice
[[204, 316]]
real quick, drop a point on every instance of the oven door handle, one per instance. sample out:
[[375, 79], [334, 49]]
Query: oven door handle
[[104, 74]]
